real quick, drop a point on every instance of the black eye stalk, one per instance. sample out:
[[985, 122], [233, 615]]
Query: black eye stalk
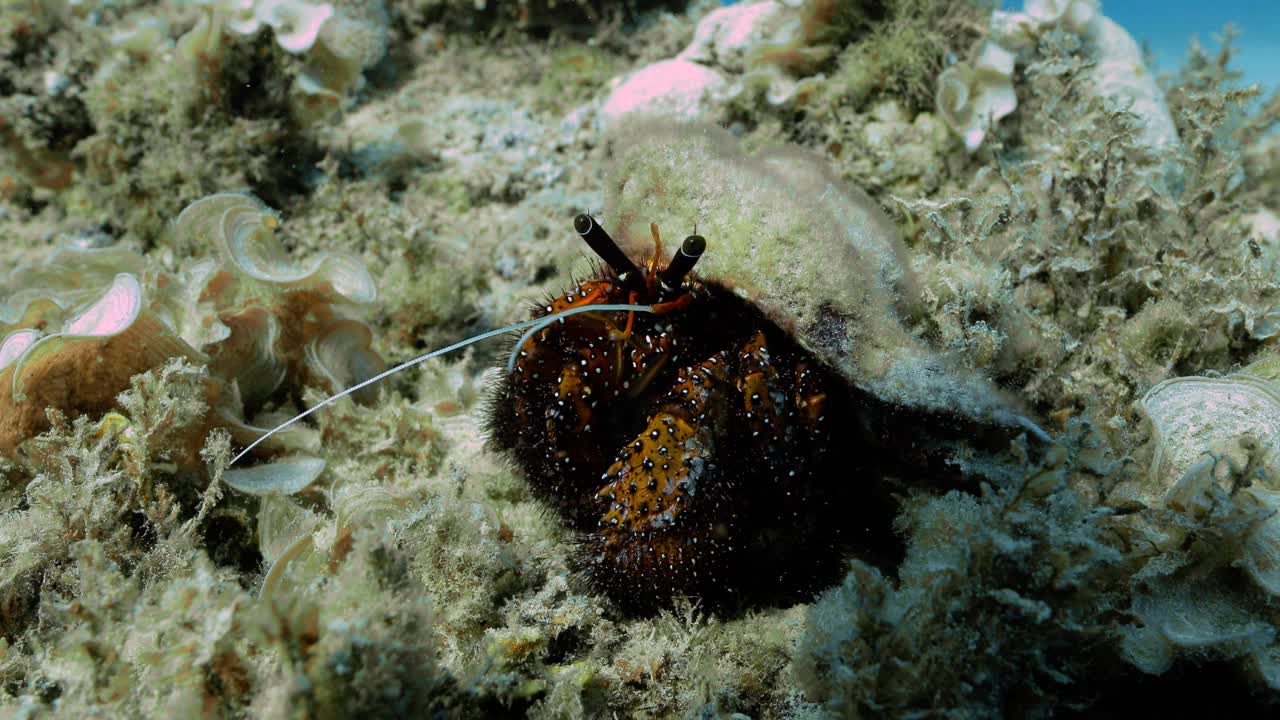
[[604, 246], [608, 250], [683, 261]]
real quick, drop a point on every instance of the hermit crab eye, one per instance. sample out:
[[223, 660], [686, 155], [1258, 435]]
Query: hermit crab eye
[[683, 261], [608, 250]]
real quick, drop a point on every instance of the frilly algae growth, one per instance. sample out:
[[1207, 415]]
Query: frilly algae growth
[[197, 202], [80, 324]]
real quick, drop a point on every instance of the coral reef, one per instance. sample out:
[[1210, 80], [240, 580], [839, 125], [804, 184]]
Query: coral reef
[[1014, 581], [338, 41], [971, 99], [198, 200], [254, 316]]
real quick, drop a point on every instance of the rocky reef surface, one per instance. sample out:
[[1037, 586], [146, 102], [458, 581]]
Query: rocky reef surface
[[215, 214]]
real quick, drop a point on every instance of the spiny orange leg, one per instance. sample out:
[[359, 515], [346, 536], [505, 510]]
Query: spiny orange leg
[[653, 483], [590, 298], [758, 380], [564, 422], [810, 397]]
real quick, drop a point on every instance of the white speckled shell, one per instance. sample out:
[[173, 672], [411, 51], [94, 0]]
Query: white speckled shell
[[1193, 415]]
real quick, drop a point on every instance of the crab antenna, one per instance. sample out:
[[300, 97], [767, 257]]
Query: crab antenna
[[608, 250], [534, 325], [683, 261]]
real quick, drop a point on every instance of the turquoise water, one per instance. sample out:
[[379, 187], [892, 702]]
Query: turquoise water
[[1167, 28]]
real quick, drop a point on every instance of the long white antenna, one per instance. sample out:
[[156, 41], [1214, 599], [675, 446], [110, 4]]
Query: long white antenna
[[534, 325], [543, 322]]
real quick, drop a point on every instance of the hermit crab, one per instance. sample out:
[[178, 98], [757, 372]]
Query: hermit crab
[[698, 447], [708, 434], [725, 434], [730, 431], [691, 442]]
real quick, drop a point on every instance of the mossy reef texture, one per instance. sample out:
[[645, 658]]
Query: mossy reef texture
[[446, 145]]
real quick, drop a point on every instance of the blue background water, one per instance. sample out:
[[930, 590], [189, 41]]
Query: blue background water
[[1166, 27]]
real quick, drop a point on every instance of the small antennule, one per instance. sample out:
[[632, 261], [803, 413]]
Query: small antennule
[[608, 250], [683, 261]]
